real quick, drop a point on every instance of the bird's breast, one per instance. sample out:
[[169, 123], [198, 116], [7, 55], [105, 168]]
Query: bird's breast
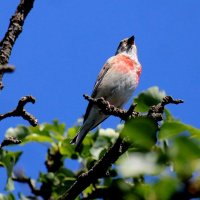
[[124, 64]]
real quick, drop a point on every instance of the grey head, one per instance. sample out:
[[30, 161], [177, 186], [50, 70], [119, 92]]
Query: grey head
[[127, 47]]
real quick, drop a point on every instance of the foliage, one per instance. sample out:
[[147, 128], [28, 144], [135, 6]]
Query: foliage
[[160, 164]]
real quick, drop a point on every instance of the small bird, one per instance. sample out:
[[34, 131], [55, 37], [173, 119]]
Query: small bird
[[116, 83]]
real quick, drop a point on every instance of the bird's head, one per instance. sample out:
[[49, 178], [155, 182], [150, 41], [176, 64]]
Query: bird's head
[[128, 47]]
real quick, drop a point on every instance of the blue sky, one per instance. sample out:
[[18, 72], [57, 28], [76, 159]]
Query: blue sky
[[64, 45]]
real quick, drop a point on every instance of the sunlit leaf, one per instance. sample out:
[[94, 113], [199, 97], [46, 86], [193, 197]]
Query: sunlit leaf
[[66, 148], [171, 128], [37, 138], [148, 98], [71, 132], [7, 197]]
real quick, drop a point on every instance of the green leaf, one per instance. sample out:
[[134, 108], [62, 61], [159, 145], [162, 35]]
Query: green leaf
[[37, 138], [66, 148], [148, 98], [8, 160], [30, 134], [185, 155], [10, 184], [55, 130], [172, 127], [7, 197], [49, 178], [64, 172], [165, 187], [141, 131], [71, 132]]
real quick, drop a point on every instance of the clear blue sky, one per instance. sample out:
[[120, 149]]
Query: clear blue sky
[[64, 45]]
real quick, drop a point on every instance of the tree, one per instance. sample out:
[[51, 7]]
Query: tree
[[153, 156]]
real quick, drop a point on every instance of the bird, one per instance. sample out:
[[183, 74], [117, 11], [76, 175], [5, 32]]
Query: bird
[[116, 83]]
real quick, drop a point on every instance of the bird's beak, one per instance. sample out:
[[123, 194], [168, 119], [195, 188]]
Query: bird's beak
[[131, 40]]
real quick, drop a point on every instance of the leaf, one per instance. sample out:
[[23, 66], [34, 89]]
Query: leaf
[[10, 184], [49, 178], [185, 155], [141, 131], [7, 197], [148, 98], [173, 127], [55, 130], [165, 187], [65, 173], [31, 134], [66, 148], [8, 160], [37, 138], [71, 132]]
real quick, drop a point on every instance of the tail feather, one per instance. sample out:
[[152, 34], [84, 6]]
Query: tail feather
[[77, 140]]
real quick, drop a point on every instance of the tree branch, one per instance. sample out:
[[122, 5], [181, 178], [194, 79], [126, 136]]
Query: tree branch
[[100, 169], [23, 179], [19, 111], [109, 109], [9, 140], [14, 30]]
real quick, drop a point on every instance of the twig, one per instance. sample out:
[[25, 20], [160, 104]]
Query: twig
[[14, 30], [121, 145], [109, 109], [23, 179], [7, 68], [19, 111], [156, 111], [9, 140]]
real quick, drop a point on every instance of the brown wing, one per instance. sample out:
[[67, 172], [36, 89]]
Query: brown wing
[[102, 73]]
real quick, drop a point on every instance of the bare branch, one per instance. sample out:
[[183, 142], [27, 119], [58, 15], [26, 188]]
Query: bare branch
[[9, 140], [19, 111], [23, 179], [14, 30], [109, 109], [156, 111]]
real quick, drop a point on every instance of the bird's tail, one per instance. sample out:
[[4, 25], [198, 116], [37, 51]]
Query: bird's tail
[[77, 140]]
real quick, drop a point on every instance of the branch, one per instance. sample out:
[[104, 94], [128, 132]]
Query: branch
[[100, 169], [9, 140], [14, 30], [23, 179], [156, 111], [109, 109], [19, 111]]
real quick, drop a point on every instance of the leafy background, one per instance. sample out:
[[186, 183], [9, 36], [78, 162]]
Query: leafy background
[[158, 165]]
